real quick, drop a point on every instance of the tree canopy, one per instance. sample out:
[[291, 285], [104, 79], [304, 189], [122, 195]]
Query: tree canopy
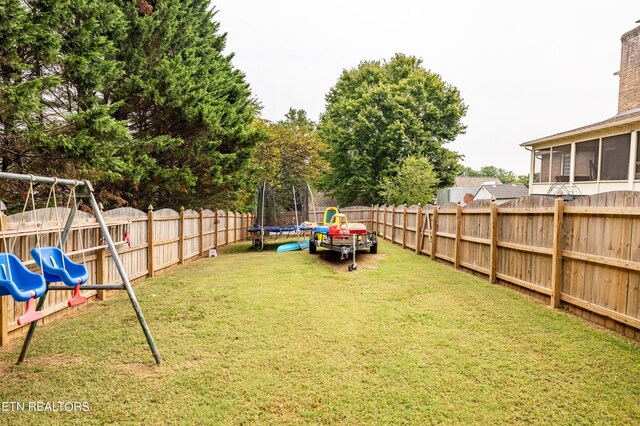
[[381, 113], [291, 153], [415, 182], [136, 96]]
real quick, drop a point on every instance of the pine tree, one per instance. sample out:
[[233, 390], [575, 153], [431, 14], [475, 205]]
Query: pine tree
[[188, 109], [58, 60]]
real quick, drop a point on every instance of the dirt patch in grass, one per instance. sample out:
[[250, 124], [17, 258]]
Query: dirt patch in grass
[[364, 259], [56, 359]]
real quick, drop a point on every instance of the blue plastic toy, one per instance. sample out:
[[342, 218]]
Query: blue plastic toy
[[22, 284], [56, 267]]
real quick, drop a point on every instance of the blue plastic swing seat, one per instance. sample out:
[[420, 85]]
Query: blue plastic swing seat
[[19, 282], [57, 267]]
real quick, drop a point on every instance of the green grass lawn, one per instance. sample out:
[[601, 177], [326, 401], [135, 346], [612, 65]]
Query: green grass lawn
[[266, 338]]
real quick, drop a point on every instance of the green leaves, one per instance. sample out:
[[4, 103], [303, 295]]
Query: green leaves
[[415, 182], [143, 102], [381, 113], [505, 176], [179, 87], [292, 152]]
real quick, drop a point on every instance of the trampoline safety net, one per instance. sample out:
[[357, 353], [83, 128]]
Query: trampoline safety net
[[276, 207]]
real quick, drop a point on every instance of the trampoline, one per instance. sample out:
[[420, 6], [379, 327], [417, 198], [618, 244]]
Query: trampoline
[[278, 212]]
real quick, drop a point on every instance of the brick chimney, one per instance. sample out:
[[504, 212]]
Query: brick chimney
[[629, 93]]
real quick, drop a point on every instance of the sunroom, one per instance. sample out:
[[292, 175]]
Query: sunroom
[[597, 158]]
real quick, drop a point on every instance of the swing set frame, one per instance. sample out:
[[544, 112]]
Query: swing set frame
[[84, 190]]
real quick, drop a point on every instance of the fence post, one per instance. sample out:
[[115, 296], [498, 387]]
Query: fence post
[[181, 237], [434, 233], [458, 234], [393, 224], [556, 267], [371, 216], [419, 231], [493, 259], [404, 226], [235, 226], [150, 248], [384, 223], [226, 230], [201, 230], [215, 229]]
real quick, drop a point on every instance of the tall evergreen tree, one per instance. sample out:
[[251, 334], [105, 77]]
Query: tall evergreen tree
[[56, 57], [188, 109]]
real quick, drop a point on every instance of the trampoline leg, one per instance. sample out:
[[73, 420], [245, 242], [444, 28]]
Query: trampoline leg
[[32, 329]]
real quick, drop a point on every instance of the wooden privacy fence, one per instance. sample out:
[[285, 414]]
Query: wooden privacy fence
[[159, 240], [583, 254]]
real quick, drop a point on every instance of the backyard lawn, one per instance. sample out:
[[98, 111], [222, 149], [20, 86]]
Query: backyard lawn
[[266, 338]]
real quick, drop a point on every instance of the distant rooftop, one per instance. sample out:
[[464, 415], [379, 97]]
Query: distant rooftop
[[509, 190], [475, 181]]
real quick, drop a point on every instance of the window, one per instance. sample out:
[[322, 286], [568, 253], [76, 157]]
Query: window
[[615, 157], [541, 164], [561, 163], [587, 160]]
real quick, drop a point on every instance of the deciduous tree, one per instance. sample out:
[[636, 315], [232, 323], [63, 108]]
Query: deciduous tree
[[415, 182], [381, 113]]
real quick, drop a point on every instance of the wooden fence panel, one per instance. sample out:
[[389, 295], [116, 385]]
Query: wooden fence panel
[[191, 234], [396, 219], [209, 229], [426, 230], [411, 229], [602, 253], [475, 235], [525, 243], [167, 240], [386, 225], [446, 232], [222, 227], [135, 259]]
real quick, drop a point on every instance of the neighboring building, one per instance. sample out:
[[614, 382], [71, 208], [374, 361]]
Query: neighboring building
[[599, 157], [502, 193], [475, 181], [466, 187]]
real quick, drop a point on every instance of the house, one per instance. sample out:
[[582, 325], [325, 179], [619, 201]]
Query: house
[[599, 157], [502, 193], [465, 189]]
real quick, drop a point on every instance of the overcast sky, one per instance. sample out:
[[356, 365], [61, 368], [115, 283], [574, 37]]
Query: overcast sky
[[525, 69]]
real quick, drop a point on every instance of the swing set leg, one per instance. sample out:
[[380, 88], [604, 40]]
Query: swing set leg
[[32, 329]]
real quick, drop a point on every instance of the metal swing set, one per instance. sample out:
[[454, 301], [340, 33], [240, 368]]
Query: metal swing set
[[24, 285]]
